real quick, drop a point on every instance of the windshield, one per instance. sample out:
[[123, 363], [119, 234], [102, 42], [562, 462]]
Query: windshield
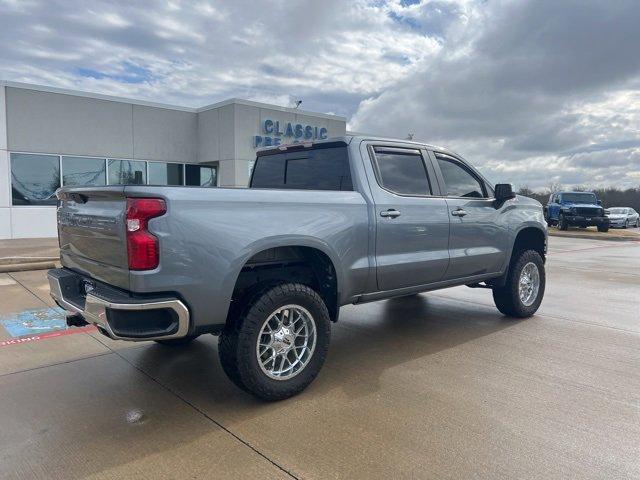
[[619, 211], [579, 197]]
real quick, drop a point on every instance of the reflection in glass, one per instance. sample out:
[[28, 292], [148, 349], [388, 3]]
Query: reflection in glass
[[83, 171], [34, 179], [127, 172], [161, 173], [201, 176]]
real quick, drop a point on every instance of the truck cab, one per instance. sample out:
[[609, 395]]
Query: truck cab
[[579, 209]]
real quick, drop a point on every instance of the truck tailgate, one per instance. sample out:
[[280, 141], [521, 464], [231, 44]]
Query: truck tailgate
[[91, 230]]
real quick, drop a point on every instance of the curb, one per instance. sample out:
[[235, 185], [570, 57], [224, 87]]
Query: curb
[[25, 267], [595, 237]]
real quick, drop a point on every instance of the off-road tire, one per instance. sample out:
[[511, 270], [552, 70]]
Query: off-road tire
[[237, 344], [507, 299], [603, 229], [177, 342], [562, 223]]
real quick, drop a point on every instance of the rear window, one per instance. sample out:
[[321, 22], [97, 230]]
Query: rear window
[[314, 169]]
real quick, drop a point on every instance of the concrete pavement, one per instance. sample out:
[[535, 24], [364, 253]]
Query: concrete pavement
[[434, 386]]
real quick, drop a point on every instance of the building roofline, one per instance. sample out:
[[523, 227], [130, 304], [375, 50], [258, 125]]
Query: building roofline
[[251, 103], [97, 96], [145, 103]]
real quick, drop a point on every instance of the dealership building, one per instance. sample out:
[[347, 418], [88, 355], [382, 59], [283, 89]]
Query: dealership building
[[51, 137]]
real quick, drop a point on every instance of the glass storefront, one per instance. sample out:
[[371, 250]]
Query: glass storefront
[[165, 173], [35, 177], [83, 171], [127, 172], [200, 176]]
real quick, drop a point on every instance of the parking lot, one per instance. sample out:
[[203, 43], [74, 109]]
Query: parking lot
[[434, 386]]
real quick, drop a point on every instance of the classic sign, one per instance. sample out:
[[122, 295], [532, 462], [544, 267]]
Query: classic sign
[[274, 131]]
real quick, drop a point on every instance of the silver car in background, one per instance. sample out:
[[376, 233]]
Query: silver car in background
[[623, 217]]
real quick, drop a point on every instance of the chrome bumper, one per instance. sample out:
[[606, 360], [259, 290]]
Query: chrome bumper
[[95, 312]]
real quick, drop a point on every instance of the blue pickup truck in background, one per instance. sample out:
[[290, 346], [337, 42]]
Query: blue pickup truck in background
[[580, 209]]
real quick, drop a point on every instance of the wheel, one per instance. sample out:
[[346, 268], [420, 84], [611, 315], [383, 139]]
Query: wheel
[[638, 223], [277, 346], [603, 228], [626, 224], [562, 223], [523, 291], [175, 342]]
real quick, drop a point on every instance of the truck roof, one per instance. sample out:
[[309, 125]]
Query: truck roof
[[573, 191], [347, 139]]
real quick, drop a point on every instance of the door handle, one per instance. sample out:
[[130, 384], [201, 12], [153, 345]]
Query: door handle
[[392, 212], [459, 212]]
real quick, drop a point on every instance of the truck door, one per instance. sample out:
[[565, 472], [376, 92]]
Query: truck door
[[477, 240], [412, 226]]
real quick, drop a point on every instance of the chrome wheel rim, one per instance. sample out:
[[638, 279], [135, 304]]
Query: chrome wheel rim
[[286, 342], [529, 284]]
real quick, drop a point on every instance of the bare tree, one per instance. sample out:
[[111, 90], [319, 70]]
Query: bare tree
[[526, 191], [554, 187]]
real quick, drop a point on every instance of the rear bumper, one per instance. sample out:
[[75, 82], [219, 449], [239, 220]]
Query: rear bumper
[[119, 315]]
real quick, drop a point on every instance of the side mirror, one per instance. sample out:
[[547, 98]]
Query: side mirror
[[599, 202], [504, 192]]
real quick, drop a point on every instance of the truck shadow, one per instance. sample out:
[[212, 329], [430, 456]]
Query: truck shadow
[[371, 344]]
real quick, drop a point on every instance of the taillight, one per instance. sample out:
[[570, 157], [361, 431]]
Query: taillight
[[142, 247]]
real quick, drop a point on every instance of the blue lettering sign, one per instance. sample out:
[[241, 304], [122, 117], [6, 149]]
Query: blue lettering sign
[[289, 131], [300, 132], [308, 132]]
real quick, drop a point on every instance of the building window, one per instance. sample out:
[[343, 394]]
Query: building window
[[83, 171], [161, 173], [201, 176], [127, 172], [34, 179]]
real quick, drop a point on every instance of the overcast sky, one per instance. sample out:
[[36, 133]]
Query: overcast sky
[[532, 92]]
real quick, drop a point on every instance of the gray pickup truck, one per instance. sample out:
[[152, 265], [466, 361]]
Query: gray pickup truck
[[340, 221]]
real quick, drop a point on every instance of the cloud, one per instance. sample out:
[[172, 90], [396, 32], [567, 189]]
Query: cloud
[[531, 91], [530, 82]]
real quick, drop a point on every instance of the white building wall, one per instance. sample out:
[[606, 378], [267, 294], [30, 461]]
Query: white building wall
[[46, 122], [5, 184], [216, 135], [162, 134]]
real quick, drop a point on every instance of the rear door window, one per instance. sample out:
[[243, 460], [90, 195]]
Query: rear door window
[[313, 169], [402, 171]]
